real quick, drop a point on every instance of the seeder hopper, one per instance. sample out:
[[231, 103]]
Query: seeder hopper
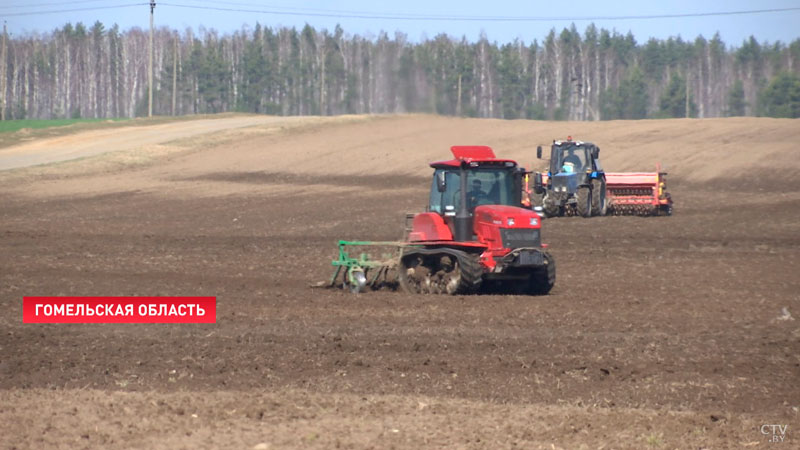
[[638, 193]]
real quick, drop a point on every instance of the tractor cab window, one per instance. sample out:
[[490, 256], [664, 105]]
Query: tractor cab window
[[484, 187], [574, 159], [440, 201]]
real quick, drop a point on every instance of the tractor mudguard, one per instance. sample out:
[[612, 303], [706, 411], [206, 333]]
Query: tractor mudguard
[[429, 227]]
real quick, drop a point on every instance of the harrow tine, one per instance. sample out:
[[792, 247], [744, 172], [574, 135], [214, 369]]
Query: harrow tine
[[356, 269]]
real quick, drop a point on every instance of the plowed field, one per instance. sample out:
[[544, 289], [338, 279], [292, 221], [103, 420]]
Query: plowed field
[[667, 332]]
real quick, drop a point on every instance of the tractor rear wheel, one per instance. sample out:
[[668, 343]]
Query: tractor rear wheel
[[584, 201], [543, 279], [599, 206]]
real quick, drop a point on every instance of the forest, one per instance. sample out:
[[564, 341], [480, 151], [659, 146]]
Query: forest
[[97, 72]]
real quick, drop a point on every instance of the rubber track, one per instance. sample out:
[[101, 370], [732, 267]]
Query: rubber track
[[469, 264]]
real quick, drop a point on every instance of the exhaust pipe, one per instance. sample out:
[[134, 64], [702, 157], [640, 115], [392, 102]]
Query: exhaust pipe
[[462, 222]]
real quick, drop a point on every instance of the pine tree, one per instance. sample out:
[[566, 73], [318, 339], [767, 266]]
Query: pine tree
[[629, 101], [673, 101], [781, 98], [254, 79], [736, 102], [511, 81]]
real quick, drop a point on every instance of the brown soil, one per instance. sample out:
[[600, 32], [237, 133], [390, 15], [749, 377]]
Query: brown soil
[[671, 332]]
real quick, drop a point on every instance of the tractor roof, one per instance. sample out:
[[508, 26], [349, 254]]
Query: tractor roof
[[471, 154], [569, 141]]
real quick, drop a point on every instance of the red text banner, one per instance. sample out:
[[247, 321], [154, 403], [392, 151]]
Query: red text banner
[[119, 309]]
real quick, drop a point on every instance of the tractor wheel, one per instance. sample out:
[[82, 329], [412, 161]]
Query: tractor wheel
[[584, 201], [543, 280], [599, 206], [551, 207]]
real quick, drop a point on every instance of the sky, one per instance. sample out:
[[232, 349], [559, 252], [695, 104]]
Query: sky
[[500, 20]]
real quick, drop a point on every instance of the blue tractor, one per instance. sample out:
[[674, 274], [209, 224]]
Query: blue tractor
[[575, 184]]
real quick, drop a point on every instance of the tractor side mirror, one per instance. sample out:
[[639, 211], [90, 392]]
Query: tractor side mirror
[[539, 152], [537, 183], [441, 184], [596, 153]]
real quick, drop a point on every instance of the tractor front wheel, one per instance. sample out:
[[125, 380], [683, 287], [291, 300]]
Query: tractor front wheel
[[551, 206], [584, 199]]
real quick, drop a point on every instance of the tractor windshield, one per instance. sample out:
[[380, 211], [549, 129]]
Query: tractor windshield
[[572, 158], [484, 187]]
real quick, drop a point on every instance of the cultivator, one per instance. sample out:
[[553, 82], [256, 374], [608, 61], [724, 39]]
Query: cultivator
[[366, 270], [638, 193]]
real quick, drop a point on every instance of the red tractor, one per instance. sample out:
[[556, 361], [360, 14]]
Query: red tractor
[[478, 234], [475, 233]]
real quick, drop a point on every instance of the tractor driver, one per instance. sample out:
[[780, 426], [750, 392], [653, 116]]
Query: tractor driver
[[476, 194], [574, 160]]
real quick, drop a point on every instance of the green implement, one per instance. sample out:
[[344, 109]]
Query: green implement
[[364, 270]]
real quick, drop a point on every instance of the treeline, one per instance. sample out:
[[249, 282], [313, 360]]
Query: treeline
[[96, 72]]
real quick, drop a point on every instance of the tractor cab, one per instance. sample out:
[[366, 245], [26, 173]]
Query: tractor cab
[[570, 156], [575, 182], [475, 188], [486, 181], [487, 184]]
